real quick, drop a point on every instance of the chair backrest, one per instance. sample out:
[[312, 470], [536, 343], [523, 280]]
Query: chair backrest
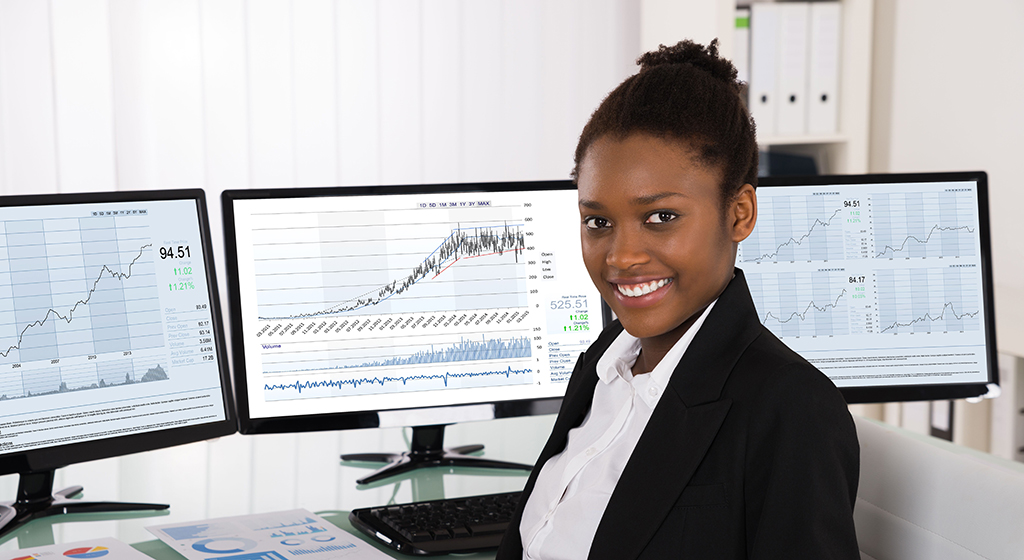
[[922, 498]]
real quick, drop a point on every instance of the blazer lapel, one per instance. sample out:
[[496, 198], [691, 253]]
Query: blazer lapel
[[681, 429], [655, 476], [579, 395]]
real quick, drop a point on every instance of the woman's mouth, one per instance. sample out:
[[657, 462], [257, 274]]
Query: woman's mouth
[[642, 289]]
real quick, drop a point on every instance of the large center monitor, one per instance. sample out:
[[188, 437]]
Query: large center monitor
[[110, 337], [405, 306], [884, 282]]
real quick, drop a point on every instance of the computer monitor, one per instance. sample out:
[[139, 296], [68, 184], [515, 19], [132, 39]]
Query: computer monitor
[[110, 337], [884, 282], [416, 305]]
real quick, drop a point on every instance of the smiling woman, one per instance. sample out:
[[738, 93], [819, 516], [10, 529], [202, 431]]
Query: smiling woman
[[656, 240], [687, 429]]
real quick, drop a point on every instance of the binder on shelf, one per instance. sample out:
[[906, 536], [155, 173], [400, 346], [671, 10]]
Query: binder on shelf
[[764, 31], [794, 35], [823, 69], [741, 56]]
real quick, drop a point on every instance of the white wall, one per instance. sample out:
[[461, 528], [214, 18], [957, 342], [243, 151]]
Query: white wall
[[155, 94], [128, 94], [948, 83]]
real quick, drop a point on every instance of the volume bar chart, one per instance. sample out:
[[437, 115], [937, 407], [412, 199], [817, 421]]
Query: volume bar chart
[[380, 353]]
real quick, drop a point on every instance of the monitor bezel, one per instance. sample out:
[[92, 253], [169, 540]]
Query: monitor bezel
[[923, 392], [355, 419], [49, 458]]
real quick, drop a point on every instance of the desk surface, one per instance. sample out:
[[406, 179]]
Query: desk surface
[[240, 475]]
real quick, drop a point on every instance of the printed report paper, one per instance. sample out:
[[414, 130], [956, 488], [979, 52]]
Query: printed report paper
[[283, 535], [93, 549]]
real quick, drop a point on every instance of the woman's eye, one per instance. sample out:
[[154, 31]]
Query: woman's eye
[[595, 222], [661, 217]]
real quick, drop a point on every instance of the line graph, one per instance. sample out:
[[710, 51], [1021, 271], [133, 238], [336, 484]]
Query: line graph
[[405, 382], [927, 317], [929, 300], [479, 265], [799, 227], [924, 224], [67, 318], [803, 316], [77, 288], [812, 303]]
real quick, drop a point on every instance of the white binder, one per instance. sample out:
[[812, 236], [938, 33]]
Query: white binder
[[741, 55], [794, 35], [764, 32], [823, 81]]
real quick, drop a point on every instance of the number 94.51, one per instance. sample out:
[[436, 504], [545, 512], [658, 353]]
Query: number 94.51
[[172, 252]]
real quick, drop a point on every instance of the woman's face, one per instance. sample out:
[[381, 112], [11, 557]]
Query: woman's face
[[656, 240]]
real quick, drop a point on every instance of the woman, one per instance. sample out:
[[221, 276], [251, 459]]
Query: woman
[[687, 429]]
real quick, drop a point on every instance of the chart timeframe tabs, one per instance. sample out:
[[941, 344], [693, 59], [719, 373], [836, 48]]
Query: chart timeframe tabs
[[437, 293]]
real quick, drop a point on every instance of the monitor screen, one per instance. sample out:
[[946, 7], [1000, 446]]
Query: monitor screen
[[109, 328], [404, 305], [883, 282]]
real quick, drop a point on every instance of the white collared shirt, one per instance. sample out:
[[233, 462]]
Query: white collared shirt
[[573, 487]]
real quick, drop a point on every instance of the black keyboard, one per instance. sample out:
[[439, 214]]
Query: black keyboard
[[439, 526]]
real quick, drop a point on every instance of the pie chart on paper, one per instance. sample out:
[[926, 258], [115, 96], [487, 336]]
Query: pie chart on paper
[[87, 552]]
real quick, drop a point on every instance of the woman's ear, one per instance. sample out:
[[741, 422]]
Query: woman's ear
[[742, 213]]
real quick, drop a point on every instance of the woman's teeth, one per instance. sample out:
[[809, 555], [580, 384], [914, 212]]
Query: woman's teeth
[[637, 290]]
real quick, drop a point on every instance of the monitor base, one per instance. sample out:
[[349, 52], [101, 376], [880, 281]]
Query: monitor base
[[427, 450], [36, 499]]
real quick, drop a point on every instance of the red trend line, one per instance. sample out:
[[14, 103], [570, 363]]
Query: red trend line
[[469, 257]]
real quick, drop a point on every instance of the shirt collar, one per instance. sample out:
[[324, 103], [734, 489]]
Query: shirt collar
[[618, 359]]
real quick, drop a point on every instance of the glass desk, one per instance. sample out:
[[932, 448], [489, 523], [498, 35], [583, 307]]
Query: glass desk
[[240, 475]]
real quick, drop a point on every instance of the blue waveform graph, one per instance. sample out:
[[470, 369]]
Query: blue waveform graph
[[384, 383]]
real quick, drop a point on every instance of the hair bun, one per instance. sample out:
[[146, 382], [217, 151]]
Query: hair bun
[[695, 54]]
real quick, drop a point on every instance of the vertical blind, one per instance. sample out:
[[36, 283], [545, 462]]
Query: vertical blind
[[155, 94]]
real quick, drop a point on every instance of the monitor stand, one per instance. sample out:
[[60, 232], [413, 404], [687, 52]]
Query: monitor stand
[[427, 450], [36, 499]]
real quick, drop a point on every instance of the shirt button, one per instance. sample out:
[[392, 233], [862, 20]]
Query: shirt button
[[653, 391], [591, 452]]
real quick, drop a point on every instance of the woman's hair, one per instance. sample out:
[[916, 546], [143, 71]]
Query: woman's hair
[[685, 93]]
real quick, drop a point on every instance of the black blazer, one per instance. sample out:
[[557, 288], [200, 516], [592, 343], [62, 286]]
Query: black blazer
[[751, 453]]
